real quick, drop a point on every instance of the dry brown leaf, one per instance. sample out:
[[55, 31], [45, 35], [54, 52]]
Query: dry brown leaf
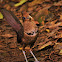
[[58, 4], [7, 35], [7, 6], [42, 12], [0, 41], [1, 46], [61, 17], [1, 51], [35, 2], [42, 22], [56, 25], [58, 46], [45, 45]]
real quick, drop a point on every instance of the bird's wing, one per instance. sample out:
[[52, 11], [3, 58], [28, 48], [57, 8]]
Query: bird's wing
[[13, 22]]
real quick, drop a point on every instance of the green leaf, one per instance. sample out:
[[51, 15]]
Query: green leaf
[[1, 16], [39, 20]]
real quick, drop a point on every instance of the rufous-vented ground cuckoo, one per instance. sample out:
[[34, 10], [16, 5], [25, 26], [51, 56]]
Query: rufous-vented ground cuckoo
[[26, 32]]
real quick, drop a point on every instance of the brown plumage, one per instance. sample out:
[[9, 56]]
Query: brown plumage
[[26, 33]]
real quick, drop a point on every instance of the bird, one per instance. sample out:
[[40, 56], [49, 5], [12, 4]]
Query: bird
[[26, 33]]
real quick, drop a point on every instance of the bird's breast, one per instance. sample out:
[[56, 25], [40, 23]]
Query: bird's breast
[[30, 32], [29, 38]]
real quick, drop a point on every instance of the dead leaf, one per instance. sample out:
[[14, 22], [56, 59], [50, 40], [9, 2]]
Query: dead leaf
[[7, 35], [7, 6], [42, 22], [35, 2], [42, 12], [1, 16], [60, 53], [45, 45], [61, 17], [48, 30], [0, 41], [58, 4]]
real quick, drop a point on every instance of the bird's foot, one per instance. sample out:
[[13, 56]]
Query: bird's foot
[[25, 55], [36, 61], [33, 56], [31, 53], [21, 48]]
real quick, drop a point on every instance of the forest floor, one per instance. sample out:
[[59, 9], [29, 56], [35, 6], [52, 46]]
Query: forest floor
[[48, 46]]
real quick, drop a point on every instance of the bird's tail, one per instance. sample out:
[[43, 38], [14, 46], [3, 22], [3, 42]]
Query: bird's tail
[[12, 20]]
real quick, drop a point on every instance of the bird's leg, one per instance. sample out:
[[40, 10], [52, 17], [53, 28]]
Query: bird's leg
[[25, 55], [33, 56]]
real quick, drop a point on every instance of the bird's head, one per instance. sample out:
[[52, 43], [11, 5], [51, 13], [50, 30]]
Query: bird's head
[[30, 28]]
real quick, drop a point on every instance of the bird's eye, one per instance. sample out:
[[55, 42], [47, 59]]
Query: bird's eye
[[23, 18]]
